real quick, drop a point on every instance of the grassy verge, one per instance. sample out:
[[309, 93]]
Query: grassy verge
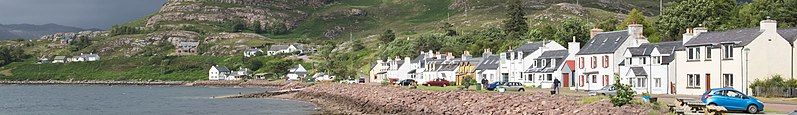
[[592, 99]]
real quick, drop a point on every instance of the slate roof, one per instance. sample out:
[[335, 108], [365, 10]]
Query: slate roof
[[605, 42], [553, 54], [490, 62], [548, 67], [789, 34], [59, 58], [278, 47], [192, 44], [669, 47], [222, 69], [639, 71], [740, 37], [663, 47], [295, 69], [528, 48]]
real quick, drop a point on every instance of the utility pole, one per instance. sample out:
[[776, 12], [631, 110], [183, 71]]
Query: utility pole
[[661, 6]]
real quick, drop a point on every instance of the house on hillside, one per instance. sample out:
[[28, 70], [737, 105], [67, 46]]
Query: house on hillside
[[378, 72], [296, 73], [649, 68], [218, 73], [321, 77], [251, 52], [59, 59], [733, 58], [186, 48], [598, 61], [88, 57], [241, 74]]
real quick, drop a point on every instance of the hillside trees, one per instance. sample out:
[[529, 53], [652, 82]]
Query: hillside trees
[[784, 11], [515, 25], [692, 13], [11, 54], [124, 30], [388, 36]]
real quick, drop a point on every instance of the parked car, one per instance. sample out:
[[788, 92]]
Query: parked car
[[408, 82], [732, 100], [513, 86], [438, 82], [351, 81], [494, 85], [607, 90]]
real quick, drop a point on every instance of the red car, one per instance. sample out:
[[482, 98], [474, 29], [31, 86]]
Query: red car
[[438, 82]]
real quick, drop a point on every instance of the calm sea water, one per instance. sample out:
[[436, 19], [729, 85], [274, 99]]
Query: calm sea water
[[138, 100]]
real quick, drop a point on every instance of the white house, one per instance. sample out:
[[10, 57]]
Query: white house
[[297, 73], [649, 68], [218, 72], [733, 58], [292, 48], [59, 59], [550, 66], [239, 75], [87, 57], [252, 52], [597, 62], [321, 76], [488, 68], [515, 62]]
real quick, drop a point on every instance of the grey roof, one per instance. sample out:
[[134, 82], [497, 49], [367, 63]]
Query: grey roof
[[222, 69], [605, 42], [418, 58], [789, 34], [89, 55], [663, 47], [448, 67], [740, 37], [295, 69], [669, 47], [643, 50], [299, 46], [59, 58], [639, 71], [530, 47], [490, 62], [548, 67], [278, 47], [553, 54]]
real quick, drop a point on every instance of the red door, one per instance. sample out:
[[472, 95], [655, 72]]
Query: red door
[[566, 80], [708, 82]]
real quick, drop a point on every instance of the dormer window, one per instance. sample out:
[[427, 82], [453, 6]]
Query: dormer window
[[629, 61], [708, 52], [656, 60], [644, 61], [728, 51]]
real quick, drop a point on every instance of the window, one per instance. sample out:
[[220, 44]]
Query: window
[[581, 62], [641, 82], [530, 77], [727, 80], [581, 81], [728, 50], [549, 77], [694, 80], [605, 61], [594, 61], [543, 64], [657, 82], [708, 52], [644, 60], [629, 61], [594, 79], [656, 60], [694, 53]]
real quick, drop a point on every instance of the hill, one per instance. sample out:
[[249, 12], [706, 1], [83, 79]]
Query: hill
[[225, 28]]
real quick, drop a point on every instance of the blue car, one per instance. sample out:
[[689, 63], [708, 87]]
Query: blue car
[[493, 85], [732, 100]]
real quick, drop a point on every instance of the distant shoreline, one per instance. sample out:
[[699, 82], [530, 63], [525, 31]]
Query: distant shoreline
[[250, 83]]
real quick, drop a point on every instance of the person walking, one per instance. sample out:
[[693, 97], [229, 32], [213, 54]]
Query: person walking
[[484, 83], [556, 86]]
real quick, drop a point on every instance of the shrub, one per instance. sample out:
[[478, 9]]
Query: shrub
[[625, 95]]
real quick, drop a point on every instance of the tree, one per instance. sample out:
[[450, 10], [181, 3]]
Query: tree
[[429, 42], [449, 29], [257, 27], [388, 36], [516, 25], [784, 11], [692, 13], [238, 26], [633, 17], [625, 95], [123, 30]]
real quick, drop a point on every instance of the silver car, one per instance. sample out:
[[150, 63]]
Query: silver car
[[607, 90], [513, 86]]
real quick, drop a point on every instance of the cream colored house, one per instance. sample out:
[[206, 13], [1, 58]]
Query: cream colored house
[[649, 68], [733, 58], [597, 62], [378, 72]]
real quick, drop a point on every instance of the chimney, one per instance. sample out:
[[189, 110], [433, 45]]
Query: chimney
[[438, 55], [487, 53], [449, 56], [430, 54], [465, 55], [635, 30], [406, 60], [769, 25], [572, 48], [594, 32]]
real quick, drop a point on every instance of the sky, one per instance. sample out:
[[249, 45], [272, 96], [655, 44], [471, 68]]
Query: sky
[[99, 14]]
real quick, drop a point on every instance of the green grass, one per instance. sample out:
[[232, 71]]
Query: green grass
[[437, 88], [592, 99], [188, 68]]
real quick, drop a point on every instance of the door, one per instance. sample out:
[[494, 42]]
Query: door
[[708, 82], [565, 80]]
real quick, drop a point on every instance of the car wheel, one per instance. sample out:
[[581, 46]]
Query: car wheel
[[603, 94], [712, 104], [752, 109], [521, 90]]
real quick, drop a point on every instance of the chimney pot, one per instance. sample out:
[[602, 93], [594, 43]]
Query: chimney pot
[[594, 32]]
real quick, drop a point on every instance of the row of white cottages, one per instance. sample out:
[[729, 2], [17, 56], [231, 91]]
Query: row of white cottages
[[703, 60]]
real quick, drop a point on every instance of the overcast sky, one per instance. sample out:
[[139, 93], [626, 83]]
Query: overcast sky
[[100, 14]]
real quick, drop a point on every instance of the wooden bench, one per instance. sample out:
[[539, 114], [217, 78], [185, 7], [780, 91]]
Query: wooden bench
[[715, 110], [696, 106]]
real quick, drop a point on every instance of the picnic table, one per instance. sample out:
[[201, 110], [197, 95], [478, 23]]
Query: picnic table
[[715, 110]]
